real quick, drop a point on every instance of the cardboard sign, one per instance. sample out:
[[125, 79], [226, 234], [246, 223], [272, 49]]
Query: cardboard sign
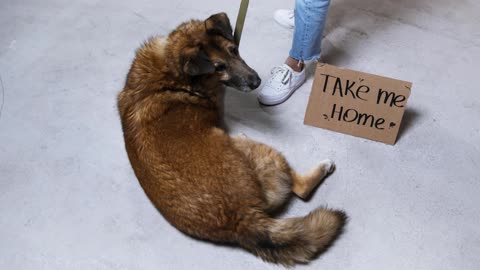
[[357, 103]]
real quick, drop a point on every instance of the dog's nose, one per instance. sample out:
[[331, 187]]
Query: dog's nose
[[255, 81]]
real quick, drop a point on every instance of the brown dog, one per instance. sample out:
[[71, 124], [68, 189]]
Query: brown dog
[[204, 182]]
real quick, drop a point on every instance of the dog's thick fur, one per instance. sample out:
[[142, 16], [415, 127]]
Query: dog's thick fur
[[204, 182]]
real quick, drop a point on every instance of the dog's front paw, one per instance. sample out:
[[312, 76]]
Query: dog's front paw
[[242, 135]]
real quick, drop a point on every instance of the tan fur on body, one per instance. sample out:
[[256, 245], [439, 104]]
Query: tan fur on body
[[204, 182]]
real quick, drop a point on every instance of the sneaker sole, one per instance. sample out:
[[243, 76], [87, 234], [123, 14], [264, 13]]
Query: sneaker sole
[[280, 100], [286, 26]]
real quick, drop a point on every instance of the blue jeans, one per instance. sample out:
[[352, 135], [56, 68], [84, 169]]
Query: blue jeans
[[310, 17]]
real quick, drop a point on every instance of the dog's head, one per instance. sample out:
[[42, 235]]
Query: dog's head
[[214, 55]]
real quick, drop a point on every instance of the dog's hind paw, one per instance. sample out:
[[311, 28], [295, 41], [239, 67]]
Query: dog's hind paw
[[329, 165]]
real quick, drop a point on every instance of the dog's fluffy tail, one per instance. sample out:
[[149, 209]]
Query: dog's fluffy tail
[[293, 240]]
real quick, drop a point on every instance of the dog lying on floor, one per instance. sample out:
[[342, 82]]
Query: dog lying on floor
[[204, 182]]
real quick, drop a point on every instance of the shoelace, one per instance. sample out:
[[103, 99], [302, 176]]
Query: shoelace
[[280, 74]]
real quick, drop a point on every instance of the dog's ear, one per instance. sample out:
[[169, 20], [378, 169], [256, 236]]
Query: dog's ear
[[196, 62], [219, 24]]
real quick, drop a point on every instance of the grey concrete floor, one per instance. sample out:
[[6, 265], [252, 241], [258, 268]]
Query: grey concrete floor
[[69, 199]]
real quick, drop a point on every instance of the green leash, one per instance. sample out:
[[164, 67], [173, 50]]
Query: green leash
[[242, 12]]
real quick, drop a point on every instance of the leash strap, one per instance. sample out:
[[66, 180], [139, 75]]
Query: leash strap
[[242, 12]]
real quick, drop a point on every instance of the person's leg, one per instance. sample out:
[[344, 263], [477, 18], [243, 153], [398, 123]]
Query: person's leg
[[310, 18]]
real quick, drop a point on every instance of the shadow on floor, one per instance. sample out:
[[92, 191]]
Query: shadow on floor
[[410, 117], [363, 20]]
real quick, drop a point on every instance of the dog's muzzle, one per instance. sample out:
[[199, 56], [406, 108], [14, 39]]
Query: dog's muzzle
[[254, 81]]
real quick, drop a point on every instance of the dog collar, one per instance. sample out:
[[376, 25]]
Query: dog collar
[[191, 93]]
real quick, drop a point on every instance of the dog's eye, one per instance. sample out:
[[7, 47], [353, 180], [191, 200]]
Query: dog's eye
[[233, 50], [220, 67]]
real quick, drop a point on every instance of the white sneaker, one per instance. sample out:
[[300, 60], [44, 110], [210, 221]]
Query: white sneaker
[[282, 84], [285, 17]]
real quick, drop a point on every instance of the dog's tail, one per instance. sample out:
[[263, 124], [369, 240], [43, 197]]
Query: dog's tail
[[293, 240]]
